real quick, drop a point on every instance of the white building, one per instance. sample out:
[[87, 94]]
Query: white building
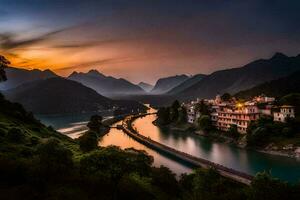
[[285, 112], [239, 115]]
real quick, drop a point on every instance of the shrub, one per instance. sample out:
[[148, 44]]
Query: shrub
[[34, 140], [88, 141], [54, 159], [204, 123], [233, 131], [15, 135]]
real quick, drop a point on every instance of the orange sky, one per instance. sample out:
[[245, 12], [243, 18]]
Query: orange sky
[[145, 40]]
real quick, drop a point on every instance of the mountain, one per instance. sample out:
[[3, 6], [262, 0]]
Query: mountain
[[237, 79], [145, 86], [186, 84], [60, 96], [275, 88], [106, 85], [163, 85], [18, 77]]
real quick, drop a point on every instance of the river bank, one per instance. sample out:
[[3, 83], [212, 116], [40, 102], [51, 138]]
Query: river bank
[[196, 161], [287, 150]]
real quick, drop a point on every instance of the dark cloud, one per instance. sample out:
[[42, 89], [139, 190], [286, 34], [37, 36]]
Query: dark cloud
[[8, 40]]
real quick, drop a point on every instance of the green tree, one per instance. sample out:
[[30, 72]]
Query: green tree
[[182, 116], [3, 64], [204, 123], [15, 135], [233, 131], [88, 141], [209, 185], [265, 187], [95, 123], [54, 159], [202, 108], [174, 113], [163, 115], [113, 164], [164, 178]]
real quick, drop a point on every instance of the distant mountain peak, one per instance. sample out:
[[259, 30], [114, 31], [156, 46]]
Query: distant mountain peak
[[279, 55], [94, 72], [145, 86], [163, 85], [74, 73]]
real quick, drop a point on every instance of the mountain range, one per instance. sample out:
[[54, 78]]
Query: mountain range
[[276, 88], [106, 85], [60, 96], [181, 87], [186, 84], [163, 85], [145, 86], [17, 77], [242, 78]]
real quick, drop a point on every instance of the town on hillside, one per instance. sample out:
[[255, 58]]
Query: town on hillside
[[228, 111]]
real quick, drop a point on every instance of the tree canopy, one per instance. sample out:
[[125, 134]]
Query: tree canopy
[[3, 64]]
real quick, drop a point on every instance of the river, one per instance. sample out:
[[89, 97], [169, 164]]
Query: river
[[244, 160]]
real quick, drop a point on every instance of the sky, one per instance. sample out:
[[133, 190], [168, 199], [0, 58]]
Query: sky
[[143, 40]]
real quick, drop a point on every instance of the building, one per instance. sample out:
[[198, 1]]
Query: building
[[239, 115], [284, 113], [225, 114], [191, 113], [263, 99]]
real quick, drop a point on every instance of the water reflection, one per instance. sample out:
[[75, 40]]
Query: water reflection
[[119, 138], [248, 161]]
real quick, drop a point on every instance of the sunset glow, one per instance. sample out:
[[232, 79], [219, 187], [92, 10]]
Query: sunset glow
[[134, 38]]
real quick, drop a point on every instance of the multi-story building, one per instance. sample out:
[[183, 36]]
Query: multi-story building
[[225, 114], [285, 112], [239, 115]]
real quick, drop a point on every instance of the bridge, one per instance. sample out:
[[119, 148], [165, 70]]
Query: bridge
[[195, 161]]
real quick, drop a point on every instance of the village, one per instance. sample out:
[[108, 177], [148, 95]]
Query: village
[[225, 113]]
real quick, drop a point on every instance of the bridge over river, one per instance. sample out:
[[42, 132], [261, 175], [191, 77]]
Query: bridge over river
[[197, 162]]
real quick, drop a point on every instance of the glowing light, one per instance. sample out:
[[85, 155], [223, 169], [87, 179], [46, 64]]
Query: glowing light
[[239, 105]]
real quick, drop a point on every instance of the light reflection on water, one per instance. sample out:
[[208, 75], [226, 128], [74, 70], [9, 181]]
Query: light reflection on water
[[119, 138], [247, 161]]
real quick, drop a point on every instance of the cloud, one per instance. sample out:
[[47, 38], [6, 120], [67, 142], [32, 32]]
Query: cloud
[[8, 41]]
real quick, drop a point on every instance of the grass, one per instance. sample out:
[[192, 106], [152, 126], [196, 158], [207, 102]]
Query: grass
[[30, 130]]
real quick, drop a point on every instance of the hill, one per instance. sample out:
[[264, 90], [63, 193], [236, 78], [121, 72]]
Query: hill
[[106, 85], [145, 86], [163, 85], [186, 84], [237, 79], [276, 88], [59, 95], [19, 76]]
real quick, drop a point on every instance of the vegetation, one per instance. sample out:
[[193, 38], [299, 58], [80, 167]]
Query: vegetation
[[3, 64], [205, 123], [89, 140], [175, 114], [264, 131], [233, 131], [36, 162], [202, 108]]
